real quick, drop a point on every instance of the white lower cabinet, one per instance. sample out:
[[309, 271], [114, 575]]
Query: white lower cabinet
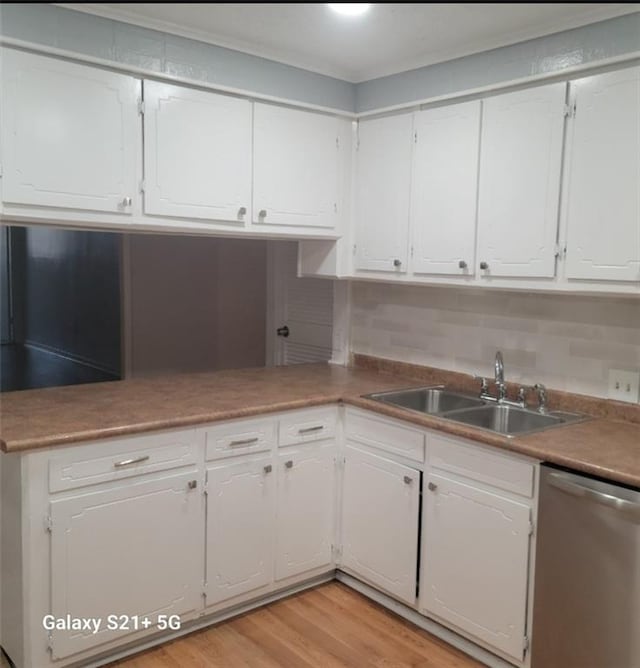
[[194, 522], [240, 523], [475, 561], [135, 550], [305, 523], [380, 509]]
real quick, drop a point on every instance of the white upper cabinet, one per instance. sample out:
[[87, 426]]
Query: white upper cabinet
[[70, 135], [296, 168], [520, 165], [603, 178], [197, 154], [444, 189], [383, 192]]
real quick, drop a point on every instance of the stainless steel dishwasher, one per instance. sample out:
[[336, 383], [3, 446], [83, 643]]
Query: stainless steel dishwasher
[[586, 611]]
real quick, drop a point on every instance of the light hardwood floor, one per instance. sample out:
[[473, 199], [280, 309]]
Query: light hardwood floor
[[330, 626]]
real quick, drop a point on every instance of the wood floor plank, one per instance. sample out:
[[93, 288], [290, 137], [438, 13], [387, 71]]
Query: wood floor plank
[[330, 626]]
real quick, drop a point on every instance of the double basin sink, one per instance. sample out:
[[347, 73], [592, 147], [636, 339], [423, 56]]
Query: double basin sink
[[505, 419]]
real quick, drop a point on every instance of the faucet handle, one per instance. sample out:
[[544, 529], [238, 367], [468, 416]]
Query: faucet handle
[[542, 397], [484, 384]]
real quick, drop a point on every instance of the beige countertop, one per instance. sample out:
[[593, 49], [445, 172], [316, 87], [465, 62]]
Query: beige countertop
[[65, 415]]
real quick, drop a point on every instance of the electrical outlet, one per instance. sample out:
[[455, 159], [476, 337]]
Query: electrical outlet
[[624, 385]]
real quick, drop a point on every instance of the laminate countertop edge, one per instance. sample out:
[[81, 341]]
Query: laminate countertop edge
[[601, 447]]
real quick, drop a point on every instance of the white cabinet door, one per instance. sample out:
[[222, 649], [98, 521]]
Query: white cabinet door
[[382, 193], [520, 163], [197, 154], [136, 550], [240, 511], [296, 170], [306, 509], [380, 506], [475, 562], [603, 189], [444, 189], [70, 134]]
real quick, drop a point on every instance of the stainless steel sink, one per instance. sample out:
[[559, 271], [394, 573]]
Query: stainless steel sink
[[510, 420], [430, 400]]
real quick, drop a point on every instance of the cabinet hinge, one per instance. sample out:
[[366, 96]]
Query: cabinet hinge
[[141, 107], [415, 137], [0, 171], [48, 524], [50, 642], [338, 143], [354, 249], [335, 207], [525, 644], [532, 527], [142, 184], [570, 109], [411, 251]]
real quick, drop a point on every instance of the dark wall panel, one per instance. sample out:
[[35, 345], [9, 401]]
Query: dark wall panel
[[72, 294]]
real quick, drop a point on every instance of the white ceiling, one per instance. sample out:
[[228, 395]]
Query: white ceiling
[[390, 38]]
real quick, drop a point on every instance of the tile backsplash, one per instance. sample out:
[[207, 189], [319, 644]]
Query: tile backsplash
[[567, 342]]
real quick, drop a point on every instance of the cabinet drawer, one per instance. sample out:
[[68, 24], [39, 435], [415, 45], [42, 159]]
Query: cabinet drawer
[[481, 464], [94, 463], [240, 437], [304, 426], [384, 434]]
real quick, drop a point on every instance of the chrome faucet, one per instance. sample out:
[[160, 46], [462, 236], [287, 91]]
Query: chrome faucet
[[499, 376]]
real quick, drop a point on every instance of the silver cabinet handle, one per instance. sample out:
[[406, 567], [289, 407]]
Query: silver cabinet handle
[[432, 486], [262, 213], [242, 211], [309, 430], [245, 441], [268, 468], [127, 201], [484, 265], [628, 508], [129, 462], [408, 480], [397, 263], [462, 264], [289, 463]]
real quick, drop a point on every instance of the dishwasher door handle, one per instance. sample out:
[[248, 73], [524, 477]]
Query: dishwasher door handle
[[628, 508]]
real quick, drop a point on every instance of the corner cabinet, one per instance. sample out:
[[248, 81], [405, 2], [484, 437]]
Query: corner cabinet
[[70, 135], [382, 193], [603, 178], [297, 170]]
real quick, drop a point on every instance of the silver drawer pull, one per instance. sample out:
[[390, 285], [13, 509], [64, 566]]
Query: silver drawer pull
[[245, 441], [289, 463], [128, 462], [309, 430]]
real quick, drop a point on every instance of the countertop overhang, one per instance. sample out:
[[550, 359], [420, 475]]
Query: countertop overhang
[[61, 416]]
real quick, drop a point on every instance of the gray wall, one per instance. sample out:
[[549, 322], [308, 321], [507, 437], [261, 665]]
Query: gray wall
[[169, 54], [552, 53], [196, 303], [131, 45], [71, 297]]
